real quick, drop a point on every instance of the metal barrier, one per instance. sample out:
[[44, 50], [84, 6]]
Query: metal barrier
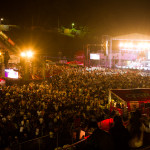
[[44, 142], [142, 148], [41, 143], [73, 145], [146, 148], [47, 142]]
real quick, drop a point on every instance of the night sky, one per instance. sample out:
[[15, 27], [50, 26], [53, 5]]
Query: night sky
[[111, 17]]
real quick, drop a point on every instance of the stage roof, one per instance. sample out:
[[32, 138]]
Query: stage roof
[[133, 94], [133, 36]]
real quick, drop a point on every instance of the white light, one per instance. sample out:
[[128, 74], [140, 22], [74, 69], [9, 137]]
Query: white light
[[29, 54], [146, 45], [130, 45], [95, 56], [126, 45], [135, 46], [23, 54], [121, 44]]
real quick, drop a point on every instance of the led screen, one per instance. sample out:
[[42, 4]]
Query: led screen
[[95, 56], [10, 73]]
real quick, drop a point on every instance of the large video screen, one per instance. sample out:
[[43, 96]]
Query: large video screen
[[95, 56], [10, 73]]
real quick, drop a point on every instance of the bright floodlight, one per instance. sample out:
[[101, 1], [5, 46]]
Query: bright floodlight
[[138, 46], [146, 45], [126, 45], [29, 54], [23, 54], [130, 45]]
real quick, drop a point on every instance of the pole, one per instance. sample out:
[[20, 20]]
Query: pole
[[57, 139], [120, 58], [99, 60], [87, 56], [110, 55], [19, 146], [26, 65], [44, 69], [39, 144], [3, 66]]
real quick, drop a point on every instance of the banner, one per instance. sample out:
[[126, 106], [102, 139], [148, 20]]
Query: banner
[[133, 94]]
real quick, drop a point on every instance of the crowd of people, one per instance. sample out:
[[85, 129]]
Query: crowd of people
[[63, 104]]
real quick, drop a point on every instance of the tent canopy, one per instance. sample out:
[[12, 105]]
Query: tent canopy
[[127, 95]]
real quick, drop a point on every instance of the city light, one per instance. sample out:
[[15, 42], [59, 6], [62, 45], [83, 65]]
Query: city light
[[1, 20], [72, 25]]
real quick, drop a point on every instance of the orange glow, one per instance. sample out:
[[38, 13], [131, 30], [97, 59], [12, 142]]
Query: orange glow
[[11, 42]]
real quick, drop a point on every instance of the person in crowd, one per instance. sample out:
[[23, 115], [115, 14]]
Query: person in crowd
[[136, 129], [69, 97], [99, 139], [119, 134]]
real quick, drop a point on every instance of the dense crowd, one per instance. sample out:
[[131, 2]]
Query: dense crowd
[[63, 104]]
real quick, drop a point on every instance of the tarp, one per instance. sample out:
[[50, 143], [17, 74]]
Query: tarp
[[132, 94]]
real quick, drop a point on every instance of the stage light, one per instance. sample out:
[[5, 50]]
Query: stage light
[[130, 45], [121, 44], [134, 46], [126, 45], [146, 45]]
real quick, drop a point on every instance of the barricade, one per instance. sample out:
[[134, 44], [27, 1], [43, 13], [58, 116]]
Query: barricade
[[41, 143]]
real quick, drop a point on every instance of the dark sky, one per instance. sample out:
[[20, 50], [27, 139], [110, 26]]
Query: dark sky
[[112, 17], [100, 15]]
